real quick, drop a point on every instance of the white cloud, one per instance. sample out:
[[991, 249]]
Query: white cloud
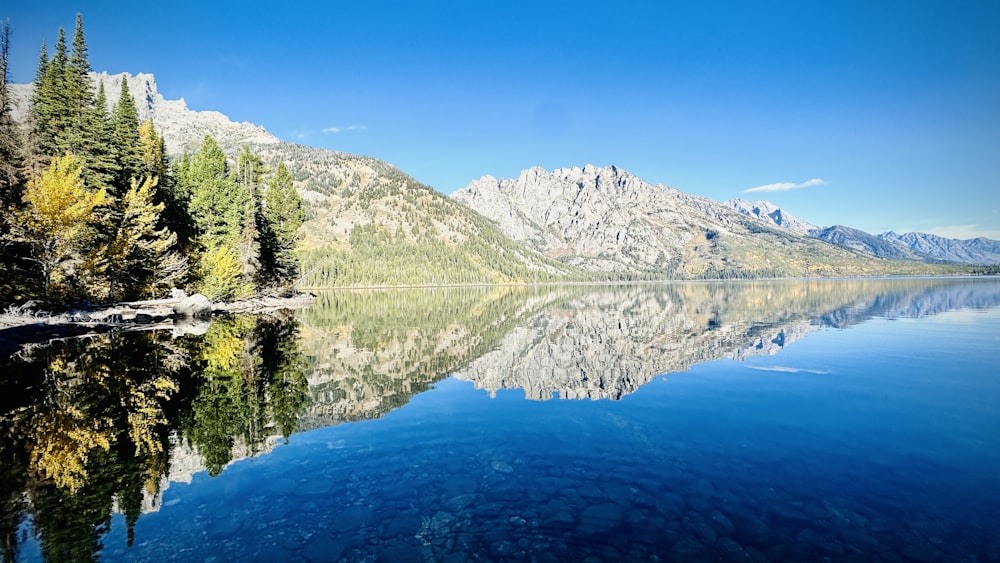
[[785, 186], [964, 232], [785, 369], [335, 130]]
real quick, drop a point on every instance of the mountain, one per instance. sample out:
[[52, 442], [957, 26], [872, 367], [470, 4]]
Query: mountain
[[368, 223], [604, 219], [181, 127], [910, 246], [972, 251], [371, 224], [867, 243], [771, 214]]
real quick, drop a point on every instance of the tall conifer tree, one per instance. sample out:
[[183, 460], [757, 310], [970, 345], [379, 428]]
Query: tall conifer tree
[[125, 139], [284, 213], [249, 170], [48, 102], [11, 178]]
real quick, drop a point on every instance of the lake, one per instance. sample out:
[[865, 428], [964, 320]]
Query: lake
[[838, 420]]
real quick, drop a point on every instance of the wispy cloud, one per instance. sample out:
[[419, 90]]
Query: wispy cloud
[[964, 232], [785, 369], [785, 186], [343, 129]]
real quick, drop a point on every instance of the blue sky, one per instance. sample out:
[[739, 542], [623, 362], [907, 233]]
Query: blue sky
[[881, 115]]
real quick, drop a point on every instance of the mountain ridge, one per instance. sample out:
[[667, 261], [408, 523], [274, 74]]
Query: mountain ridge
[[362, 209], [913, 246], [605, 218]]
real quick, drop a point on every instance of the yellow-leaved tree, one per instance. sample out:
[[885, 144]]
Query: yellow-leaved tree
[[57, 219], [140, 259]]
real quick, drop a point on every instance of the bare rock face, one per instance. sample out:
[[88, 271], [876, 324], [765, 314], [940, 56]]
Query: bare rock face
[[772, 214], [196, 305], [598, 218], [182, 128]]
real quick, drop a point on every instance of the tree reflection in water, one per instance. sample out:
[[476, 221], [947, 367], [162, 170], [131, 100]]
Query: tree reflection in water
[[90, 422]]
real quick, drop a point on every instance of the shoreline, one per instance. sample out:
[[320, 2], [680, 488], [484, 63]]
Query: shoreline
[[19, 328]]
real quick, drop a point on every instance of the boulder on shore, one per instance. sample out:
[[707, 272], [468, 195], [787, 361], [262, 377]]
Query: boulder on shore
[[196, 305]]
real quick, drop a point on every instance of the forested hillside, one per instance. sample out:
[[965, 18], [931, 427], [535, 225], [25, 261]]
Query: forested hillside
[[93, 210], [371, 224]]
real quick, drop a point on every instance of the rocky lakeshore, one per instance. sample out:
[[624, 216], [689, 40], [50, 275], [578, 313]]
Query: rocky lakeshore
[[21, 325]]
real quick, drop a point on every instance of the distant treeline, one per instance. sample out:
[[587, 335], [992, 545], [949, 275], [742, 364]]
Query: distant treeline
[[985, 270], [92, 209]]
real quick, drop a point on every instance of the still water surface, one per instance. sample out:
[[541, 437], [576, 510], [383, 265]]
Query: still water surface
[[765, 421]]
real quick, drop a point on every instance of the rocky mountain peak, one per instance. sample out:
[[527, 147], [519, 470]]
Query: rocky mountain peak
[[181, 127], [598, 218], [772, 214]]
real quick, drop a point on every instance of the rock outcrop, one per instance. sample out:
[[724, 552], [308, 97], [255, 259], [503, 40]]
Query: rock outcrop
[[771, 214], [182, 128], [605, 219]]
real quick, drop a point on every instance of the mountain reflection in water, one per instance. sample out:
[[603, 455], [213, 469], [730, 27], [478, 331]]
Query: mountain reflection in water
[[103, 424]]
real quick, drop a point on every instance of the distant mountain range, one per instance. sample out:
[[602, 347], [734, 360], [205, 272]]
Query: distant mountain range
[[606, 219], [922, 247], [369, 223]]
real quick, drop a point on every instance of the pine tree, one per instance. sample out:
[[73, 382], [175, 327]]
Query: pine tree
[[102, 168], [218, 207], [125, 139], [65, 114], [249, 170], [217, 203], [11, 178], [284, 214], [176, 196], [79, 92], [48, 102]]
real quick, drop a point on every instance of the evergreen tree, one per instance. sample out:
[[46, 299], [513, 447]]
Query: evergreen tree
[[218, 207], [65, 114], [176, 196], [125, 139], [102, 166], [217, 203], [48, 101], [284, 214], [11, 178], [79, 92], [249, 170]]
